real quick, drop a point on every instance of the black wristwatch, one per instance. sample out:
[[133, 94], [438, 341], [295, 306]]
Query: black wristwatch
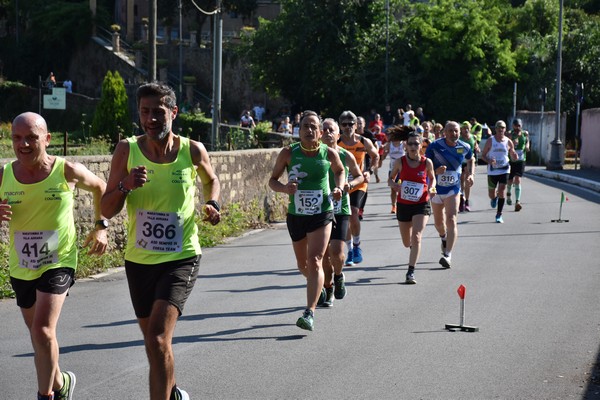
[[214, 204], [102, 223]]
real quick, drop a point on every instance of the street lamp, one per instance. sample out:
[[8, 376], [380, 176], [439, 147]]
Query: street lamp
[[555, 162]]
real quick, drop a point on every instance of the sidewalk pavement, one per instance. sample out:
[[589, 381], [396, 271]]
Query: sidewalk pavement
[[588, 178]]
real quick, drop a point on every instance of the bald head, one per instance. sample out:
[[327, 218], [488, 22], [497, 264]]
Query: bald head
[[31, 121]]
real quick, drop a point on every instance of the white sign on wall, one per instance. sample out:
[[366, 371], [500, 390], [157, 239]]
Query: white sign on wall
[[57, 100]]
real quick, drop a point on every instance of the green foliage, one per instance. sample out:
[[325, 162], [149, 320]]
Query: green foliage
[[240, 139], [112, 114], [235, 220], [195, 126], [262, 130]]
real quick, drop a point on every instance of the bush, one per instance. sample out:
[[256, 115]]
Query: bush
[[196, 126], [112, 114]]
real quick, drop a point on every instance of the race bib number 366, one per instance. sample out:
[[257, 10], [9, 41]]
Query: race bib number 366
[[36, 249], [159, 231]]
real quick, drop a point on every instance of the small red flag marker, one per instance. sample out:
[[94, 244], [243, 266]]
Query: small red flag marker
[[451, 327]]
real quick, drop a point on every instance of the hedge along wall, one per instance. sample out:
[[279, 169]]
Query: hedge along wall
[[244, 177]]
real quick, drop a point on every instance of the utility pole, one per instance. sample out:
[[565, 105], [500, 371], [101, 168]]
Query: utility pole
[[555, 162], [152, 41], [217, 65]]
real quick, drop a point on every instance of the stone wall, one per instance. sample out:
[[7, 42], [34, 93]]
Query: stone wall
[[244, 177]]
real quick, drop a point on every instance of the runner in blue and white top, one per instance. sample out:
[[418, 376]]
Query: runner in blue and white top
[[448, 154]]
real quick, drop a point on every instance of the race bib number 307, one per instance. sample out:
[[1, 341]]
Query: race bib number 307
[[159, 231], [36, 249]]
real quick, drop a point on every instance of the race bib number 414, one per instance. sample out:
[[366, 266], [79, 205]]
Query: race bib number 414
[[159, 231], [36, 249]]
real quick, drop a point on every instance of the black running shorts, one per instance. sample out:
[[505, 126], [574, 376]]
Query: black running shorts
[[171, 281], [53, 281]]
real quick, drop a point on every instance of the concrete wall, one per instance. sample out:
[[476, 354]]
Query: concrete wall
[[590, 138], [244, 177], [542, 132]]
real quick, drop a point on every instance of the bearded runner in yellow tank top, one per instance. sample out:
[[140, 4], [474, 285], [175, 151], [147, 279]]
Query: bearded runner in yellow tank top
[[161, 213], [157, 173]]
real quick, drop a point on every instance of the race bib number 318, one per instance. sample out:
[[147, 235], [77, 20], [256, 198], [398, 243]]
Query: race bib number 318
[[159, 231]]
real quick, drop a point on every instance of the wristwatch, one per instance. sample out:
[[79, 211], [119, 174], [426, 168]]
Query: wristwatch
[[102, 223], [214, 204]]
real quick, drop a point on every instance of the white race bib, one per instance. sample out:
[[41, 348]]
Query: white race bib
[[36, 249], [159, 231], [448, 178], [520, 154], [411, 191], [308, 202]]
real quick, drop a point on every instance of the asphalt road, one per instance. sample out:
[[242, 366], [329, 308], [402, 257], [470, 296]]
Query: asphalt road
[[531, 289]]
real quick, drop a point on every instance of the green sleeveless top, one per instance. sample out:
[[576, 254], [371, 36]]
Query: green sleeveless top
[[161, 214], [341, 207], [520, 143], [42, 227], [312, 174]]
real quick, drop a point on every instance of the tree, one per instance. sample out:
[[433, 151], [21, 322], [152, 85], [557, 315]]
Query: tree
[[112, 114]]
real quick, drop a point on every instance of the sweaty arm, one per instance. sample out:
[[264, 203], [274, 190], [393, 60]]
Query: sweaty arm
[[354, 170], [283, 159], [117, 187], [338, 173], [83, 178], [211, 187]]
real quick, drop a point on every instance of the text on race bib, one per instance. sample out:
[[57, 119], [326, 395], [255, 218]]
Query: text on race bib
[[36, 249], [159, 231]]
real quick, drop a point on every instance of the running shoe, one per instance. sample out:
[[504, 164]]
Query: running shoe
[[328, 297], [349, 260], [518, 206], [499, 219], [45, 396], [508, 199], [340, 286], [322, 297], [181, 394], [66, 392], [467, 206], [445, 261], [306, 321], [461, 205], [393, 210], [494, 202], [410, 277], [356, 255]]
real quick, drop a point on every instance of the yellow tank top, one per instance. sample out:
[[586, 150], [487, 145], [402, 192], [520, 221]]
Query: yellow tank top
[[162, 213], [42, 227]]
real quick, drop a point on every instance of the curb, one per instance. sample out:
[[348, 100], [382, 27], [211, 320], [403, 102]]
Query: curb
[[585, 183]]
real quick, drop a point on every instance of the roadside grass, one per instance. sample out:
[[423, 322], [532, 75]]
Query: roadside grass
[[235, 220]]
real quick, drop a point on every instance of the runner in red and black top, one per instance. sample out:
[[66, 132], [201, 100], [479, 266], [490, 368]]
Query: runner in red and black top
[[412, 206]]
